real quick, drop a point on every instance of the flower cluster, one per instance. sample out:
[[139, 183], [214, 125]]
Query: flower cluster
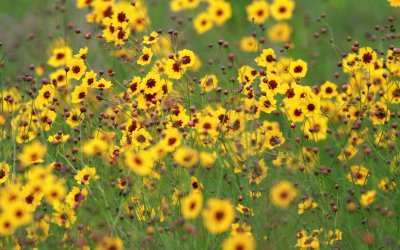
[[178, 144]]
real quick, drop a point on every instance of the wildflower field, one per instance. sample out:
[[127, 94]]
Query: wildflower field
[[199, 124]]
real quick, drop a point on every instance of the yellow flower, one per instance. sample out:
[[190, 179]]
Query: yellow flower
[[196, 185], [219, 11], [267, 58], [241, 229], [13, 104], [13, 193], [249, 44], [14, 216], [86, 174], [306, 205], [116, 32], [368, 198], [246, 75], [218, 215], [90, 80], [273, 139], [207, 159], [174, 69], [179, 5], [209, 82], [394, 3], [4, 171], [310, 106], [258, 11], [108, 243], [367, 56], [272, 84], [39, 230], [2, 120], [207, 125], [82, 53], [141, 162], [76, 197], [46, 119], [239, 241], [59, 78], [95, 146], [267, 102], [306, 242], [80, 4], [186, 156], [151, 83], [298, 68], [54, 190], [45, 96], [350, 63], [32, 153], [258, 171], [7, 225], [172, 139], [282, 194], [134, 86], [245, 210], [192, 205], [140, 139], [39, 70], [79, 94], [379, 113], [77, 68], [202, 23], [282, 9], [140, 19], [333, 236], [63, 215], [146, 56], [279, 32], [102, 84], [385, 184], [34, 190], [151, 39], [123, 183], [60, 56], [358, 175], [393, 93], [163, 47], [328, 90], [186, 58], [75, 118], [19, 213]]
